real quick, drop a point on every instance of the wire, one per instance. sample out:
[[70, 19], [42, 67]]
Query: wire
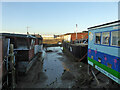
[[82, 57]]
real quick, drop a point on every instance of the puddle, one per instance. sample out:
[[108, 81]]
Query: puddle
[[52, 66], [54, 49], [55, 70]]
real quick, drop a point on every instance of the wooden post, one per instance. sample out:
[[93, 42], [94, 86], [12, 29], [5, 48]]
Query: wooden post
[[12, 65]]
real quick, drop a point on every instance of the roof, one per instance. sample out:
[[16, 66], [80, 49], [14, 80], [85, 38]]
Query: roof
[[38, 36], [106, 24], [17, 35], [75, 33]]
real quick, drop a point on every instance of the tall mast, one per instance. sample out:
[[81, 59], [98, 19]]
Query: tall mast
[[27, 29], [76, 31]]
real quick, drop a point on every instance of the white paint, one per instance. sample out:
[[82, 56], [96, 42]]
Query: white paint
[[71, 49], [67, 38], [103, 26], [90, 36], [89, 62], [38, 48], [108, 74]]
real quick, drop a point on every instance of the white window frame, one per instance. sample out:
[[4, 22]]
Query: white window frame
[[111, 38], [102, 39]]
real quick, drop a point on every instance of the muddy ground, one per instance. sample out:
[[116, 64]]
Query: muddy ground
[[59, 70]]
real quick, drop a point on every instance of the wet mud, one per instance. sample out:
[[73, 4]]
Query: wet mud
[[55, 69]]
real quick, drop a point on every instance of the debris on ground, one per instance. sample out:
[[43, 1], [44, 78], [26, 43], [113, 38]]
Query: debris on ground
[[45, 70], [48, 51], [59, 70], [60, 53], [67, 76], [39, 77]]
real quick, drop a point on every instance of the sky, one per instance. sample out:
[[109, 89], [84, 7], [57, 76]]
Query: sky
[[56, 17]]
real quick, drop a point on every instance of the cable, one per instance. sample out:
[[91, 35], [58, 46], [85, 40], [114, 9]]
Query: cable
[[82, 57]]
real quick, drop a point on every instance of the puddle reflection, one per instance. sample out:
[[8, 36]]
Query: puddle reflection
[[52, 66]]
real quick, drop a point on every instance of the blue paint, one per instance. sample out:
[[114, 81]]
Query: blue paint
[[107, 55], [109, 49], [108, 45], [110, 59], [109, 39]]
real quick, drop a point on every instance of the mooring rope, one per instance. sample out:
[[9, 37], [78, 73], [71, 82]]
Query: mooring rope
[[82, 57]]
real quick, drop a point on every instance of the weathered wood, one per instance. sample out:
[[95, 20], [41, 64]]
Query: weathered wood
[[12, 65]]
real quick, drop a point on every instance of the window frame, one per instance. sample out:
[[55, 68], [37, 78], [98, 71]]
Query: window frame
[[109, 38], [100, 37]]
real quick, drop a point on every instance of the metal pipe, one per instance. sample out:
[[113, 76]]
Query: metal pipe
[[95, 77], [7, 57], [76, 31]]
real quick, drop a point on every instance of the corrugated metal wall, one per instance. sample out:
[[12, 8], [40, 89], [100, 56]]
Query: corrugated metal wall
[[77, 51]]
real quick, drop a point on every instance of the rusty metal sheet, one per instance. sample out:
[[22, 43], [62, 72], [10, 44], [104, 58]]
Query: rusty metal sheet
[[3, 56]]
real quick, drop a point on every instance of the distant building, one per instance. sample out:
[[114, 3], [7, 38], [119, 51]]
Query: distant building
[[70, 37], [47, 36]]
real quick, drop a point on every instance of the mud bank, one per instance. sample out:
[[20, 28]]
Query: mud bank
[[58, 70]]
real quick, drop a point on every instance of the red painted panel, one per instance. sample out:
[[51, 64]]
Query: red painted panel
[[79, 36]]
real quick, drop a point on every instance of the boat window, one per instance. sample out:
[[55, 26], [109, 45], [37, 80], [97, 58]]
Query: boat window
[[115, 38], [32, 43], [105, 38], [21, 44], [97, 38]]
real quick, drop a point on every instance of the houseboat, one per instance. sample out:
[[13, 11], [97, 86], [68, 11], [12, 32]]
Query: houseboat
[[71, 37], [26, 49], [76, 47], [5, 63], [104, 49]]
